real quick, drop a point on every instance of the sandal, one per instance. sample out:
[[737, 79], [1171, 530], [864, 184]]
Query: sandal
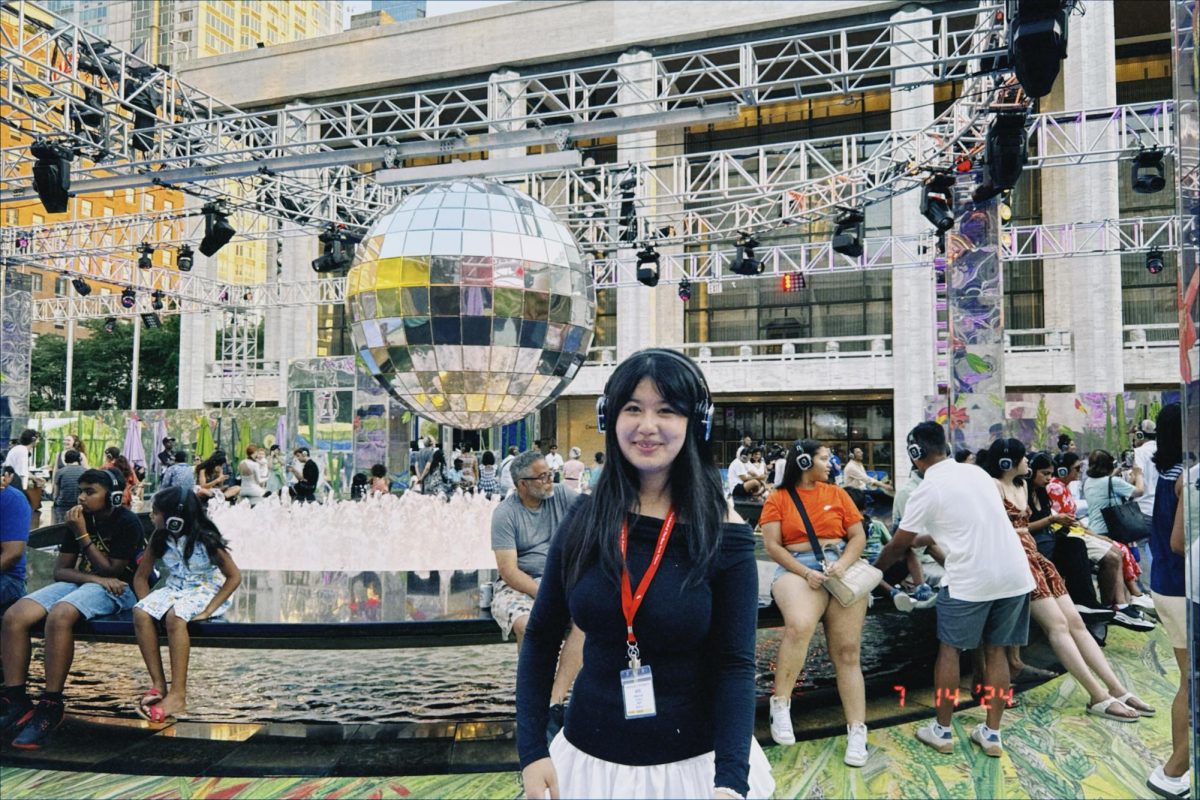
[[1028, 674], [1129, 699], [1104, 709], [149, 699], [156, 714]]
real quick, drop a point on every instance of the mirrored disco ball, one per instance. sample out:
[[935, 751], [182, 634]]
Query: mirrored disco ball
[[471, 304]]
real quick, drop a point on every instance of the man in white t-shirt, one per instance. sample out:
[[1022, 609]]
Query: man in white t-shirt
[[738, 472], [984, 597], [1145, 445]]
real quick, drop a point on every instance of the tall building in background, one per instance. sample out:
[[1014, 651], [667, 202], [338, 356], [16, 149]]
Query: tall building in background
[[172, 32], [400, 10]]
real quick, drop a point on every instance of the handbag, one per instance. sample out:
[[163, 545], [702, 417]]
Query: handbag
[[1125, 520], [858, 580]]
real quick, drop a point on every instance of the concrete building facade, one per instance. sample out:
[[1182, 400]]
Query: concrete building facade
[[868, 360]]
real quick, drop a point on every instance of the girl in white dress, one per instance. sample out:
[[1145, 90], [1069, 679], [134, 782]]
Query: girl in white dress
[[203, 577], [255, 472]]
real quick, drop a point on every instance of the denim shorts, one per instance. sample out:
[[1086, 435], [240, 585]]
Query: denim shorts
[[12, 589], [833, 551], [965, 625], [91, 599]]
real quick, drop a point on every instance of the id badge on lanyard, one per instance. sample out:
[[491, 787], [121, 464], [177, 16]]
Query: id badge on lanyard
[[637, 682]]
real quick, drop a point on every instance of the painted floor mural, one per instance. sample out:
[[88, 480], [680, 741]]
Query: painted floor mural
[[1052, 750]]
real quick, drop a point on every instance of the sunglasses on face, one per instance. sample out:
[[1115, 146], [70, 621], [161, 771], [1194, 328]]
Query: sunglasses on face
[[544, 477]]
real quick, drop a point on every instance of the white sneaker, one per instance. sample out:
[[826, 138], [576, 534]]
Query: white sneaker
[[781, 721], [1142, 601], [942, 742], [990, 742], [1168, 787], [856, 745]]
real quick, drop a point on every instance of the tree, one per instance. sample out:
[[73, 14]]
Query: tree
[[103, 363]]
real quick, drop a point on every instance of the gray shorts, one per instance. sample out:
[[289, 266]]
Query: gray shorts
[[966, 625]]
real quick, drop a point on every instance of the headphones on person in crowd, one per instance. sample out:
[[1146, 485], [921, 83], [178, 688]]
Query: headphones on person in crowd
[[804, 459], [116, 495], [1060, 469], [915, 451], [174, 523], [1005, 462], [702, 414], [1144, 428]]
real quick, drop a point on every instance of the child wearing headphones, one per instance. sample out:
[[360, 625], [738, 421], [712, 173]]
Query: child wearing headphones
[[92, 578], [203, 579]]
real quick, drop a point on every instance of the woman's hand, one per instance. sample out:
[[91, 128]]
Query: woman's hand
[[836, 569], [540, 777], [1063, 519], [815, 578], [203, 615]]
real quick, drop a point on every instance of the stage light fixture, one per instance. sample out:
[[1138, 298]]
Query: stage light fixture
[[848, 232], [647, 265], [128, 298], [627, 225], [1007, 152], [338, 250], [793, 282], [1154, 261], [52, 174], [217, 230], [156, 301], [744, 262], [81, 286], [685, 289], [23, 241], [146, 259], [150, 320], [937, 201], [110, 324], [1037, 43], [1149, 175], [185, 259]]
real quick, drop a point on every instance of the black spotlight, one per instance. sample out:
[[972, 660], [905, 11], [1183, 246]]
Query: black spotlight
[[217, 230], [338, 252], [52, 174], [156, 301], [110, 324], [937, 201], [184, 259], [685, 289], [1007, 153], [1037, 42], [1154, 261], [151, 321], [81, 286], [128, 298], [848, 232], [647, 265], [1149, 175], [145, 260], [744, 262]]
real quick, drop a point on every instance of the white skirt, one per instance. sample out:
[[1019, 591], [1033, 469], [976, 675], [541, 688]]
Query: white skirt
[[581, 775]]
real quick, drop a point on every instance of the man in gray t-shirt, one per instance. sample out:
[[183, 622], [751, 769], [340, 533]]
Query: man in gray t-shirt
[[522, 527]]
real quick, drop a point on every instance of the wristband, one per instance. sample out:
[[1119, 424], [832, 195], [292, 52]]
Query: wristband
[[725, 790]]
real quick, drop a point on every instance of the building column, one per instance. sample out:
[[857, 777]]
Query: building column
[[1083, 295], [645, 316], [914, 349]]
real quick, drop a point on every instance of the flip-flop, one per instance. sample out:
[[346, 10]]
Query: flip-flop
[[1101, 709], [156, 714], [1124, 699], [1029, 673], [149, 700]]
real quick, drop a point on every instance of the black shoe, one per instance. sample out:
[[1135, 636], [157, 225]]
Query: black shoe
[[15, 713], [558, 715], [46, 717], [1129, 617], [1091, 615]]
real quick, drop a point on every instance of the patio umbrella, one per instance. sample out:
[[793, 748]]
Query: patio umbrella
[[204, 440], [281, 432], [132, 449], [160, 433], [241, 439]]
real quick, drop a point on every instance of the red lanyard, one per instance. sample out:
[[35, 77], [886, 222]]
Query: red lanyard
[[630, 602]]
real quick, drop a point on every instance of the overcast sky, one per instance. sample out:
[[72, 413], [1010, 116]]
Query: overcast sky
[[432, 7]]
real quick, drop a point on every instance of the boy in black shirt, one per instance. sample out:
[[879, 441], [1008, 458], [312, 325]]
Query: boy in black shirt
[[95, 565]]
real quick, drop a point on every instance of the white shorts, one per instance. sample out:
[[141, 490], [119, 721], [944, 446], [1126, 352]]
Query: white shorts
[[581, 775], [1097, 548]]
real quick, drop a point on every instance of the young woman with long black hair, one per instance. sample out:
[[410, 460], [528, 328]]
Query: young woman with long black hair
[[203, 578], [660, 575]]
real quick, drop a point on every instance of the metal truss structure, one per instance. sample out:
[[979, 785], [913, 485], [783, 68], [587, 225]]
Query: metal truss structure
[[1019, 243], [131, 120], [239, 350]]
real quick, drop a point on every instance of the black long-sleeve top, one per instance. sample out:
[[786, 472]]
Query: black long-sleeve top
[[698, 642]]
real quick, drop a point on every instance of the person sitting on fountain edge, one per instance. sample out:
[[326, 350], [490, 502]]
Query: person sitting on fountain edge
[[522, 526], [95, 565]]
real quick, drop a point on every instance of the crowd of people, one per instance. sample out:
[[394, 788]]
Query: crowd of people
[[631, 586]]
